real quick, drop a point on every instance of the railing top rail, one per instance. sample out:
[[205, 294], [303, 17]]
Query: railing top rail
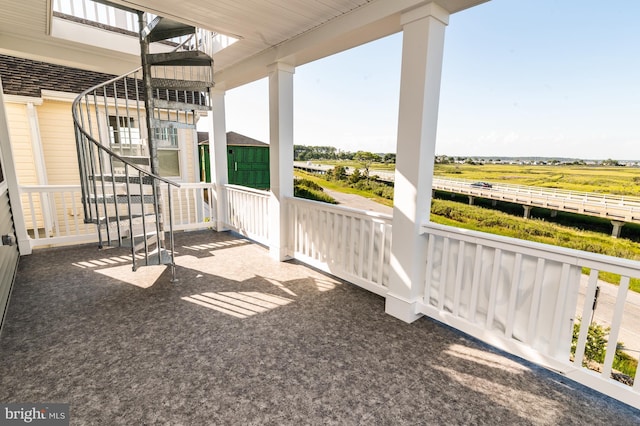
[[571, 256], [247, 189], [49, 188], [342, 209]]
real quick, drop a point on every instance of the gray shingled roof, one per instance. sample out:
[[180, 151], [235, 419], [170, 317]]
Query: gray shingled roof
[[27, 78]]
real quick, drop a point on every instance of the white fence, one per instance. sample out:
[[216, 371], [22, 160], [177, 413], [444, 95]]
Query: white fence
[[54, 213], [615, 207], [248, 212], [96, 12], [523, 297], [352, 244], [194, 206]]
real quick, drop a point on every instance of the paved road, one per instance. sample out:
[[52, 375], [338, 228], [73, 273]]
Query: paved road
[[359, 202], [630, 330]]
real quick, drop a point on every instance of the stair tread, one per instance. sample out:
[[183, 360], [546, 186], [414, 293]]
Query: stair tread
[[181, 58], [181, 106], [122, 198], [175, 84], [169, 124], [121, 178], [163, 28]]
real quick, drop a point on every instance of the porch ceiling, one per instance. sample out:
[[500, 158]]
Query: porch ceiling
[[292, 31], [263, 342]]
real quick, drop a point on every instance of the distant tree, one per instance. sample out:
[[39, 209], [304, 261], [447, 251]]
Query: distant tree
[[389, 158], [610, 162], [365, 159], [338, 173], [355, 177]]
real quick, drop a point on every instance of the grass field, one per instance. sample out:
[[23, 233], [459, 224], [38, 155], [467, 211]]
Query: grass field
[[606, 180]]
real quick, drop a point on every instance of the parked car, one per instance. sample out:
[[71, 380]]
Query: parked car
[[482, 185]]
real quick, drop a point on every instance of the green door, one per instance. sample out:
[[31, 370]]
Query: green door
[[248, 166]]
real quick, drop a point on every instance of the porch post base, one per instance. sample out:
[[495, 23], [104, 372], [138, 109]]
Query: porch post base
[[402, 309]]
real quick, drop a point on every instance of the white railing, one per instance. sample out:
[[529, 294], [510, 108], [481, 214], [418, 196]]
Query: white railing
[[54, 215], [248, 212], [524, 297], [194, 206], [352, 244], [87, 10], [99, 13]]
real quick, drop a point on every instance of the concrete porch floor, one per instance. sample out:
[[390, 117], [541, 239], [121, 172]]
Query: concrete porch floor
[[245, 340]]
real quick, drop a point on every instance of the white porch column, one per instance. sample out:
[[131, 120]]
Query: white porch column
[[11, 177], [422, 51], [218, 156], [280, 154]]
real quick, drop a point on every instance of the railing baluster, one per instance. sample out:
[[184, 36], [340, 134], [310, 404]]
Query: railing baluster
[[534, 311], [587, 314], [475, 283], [513, 295], [458, 282], [444, 273], [493, 288], [616, 323]]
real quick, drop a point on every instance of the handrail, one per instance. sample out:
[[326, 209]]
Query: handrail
[[122, 198], [78, 123]]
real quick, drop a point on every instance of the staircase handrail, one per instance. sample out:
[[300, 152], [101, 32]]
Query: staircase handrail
[[78, 124]]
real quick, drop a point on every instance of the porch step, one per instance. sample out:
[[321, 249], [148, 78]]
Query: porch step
[[162, 29], [186, 58]]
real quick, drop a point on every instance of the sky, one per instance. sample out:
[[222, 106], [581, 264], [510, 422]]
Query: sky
[[550, 78]]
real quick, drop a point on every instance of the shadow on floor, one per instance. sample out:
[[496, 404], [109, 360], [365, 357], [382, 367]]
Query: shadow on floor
[[242, 339]]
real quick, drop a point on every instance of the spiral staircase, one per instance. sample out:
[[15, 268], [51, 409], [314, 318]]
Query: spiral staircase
[[121, 125]]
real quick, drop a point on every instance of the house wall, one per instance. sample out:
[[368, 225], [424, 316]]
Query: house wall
[[58, 142], [20, 136]]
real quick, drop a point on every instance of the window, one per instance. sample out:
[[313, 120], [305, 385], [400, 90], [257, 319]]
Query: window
[[124, 137], [168, 151]]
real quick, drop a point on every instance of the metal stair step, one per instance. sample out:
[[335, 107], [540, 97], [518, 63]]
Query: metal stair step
[[180, 106], [169, 124], [174, 84], [135, 159], [146, 180], [123, 221], [159, 257], [183, 58], [163, 28], [122, 199]]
